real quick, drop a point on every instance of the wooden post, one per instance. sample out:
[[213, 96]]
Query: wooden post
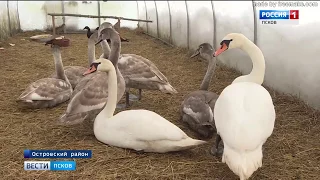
[[138, 13], [19, 29], [53, 26]]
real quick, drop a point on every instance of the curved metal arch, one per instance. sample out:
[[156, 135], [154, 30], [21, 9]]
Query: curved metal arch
[[138, 13], [155, 4], [145, 6], [214, 26], [170, 20], [188, 28], [255, 35]]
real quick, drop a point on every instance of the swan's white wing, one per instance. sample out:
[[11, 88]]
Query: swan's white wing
[[144, 125], [45, 89], [244, 115]]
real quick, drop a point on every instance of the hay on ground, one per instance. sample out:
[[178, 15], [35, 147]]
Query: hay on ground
[[292, 152]]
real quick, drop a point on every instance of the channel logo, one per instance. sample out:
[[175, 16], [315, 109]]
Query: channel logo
[[290, 17], [50, 165]]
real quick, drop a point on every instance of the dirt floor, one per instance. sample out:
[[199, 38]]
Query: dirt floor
[[292, 152]]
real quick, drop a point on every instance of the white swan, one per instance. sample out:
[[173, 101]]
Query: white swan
[[141, 130], [138, 72], [90, 98], [197, 107], [244, 112], [48, 92]]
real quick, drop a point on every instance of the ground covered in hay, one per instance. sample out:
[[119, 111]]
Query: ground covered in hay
[[292, 152]]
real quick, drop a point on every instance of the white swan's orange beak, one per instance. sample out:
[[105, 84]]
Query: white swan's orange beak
[[90, 70], [221, 50]]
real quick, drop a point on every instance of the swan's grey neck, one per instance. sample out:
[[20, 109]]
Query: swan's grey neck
[[105, 48], [111, 104], [258, 64], [58, 63], [91, 51], [115, 48], [210, 71]]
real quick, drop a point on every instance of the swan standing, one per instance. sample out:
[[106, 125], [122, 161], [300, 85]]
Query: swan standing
[[244, 112], [138, 72], [89, 100], [141, 130], [48, 92], [197, 107]]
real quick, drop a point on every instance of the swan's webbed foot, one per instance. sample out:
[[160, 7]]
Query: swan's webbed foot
[[216, 150], [121, 106], [133, 97]]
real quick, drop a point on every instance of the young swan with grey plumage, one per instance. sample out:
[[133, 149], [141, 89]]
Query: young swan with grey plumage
[[138, 72], [197, 107], [48, 92], [89, 100]]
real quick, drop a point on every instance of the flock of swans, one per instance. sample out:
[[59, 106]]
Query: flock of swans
[[242, 116]]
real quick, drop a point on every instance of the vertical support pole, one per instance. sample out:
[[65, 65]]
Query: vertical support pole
[[138, 14], [53, 26], [99, 14], [63, 17], [188, 28], [145, 5], [155, 4], [9, 21], [19, 23], [170, 20], [255, 35], [214, 26]]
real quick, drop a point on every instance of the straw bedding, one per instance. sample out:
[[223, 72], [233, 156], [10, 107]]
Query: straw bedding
[[292, 152]]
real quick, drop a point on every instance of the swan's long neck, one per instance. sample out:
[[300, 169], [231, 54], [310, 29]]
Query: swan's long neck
[[258, 64], [105, 48], [111, 104], [91, 51], [58, 63], [115, 51], [210, 71]]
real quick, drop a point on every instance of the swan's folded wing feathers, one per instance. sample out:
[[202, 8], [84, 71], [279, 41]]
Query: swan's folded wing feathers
[[246, 121], [198, 109], [92, 97], [45, 89], [140, 69]]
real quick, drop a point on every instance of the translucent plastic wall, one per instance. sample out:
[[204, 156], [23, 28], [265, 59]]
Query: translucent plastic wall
[[33, 14], [9, 19], [291, 51]]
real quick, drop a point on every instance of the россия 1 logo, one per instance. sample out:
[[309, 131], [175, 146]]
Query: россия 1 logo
[[282, 17]]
